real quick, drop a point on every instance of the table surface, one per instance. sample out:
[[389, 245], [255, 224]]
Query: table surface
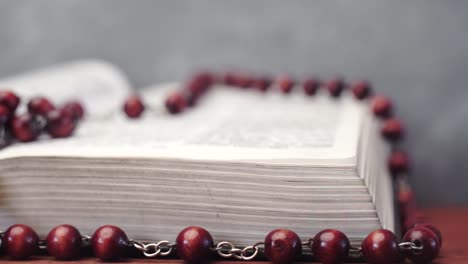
[[451, 222]]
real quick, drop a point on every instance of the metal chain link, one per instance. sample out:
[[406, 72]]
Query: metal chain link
[[227, 250], [151, 250], [411, 246]]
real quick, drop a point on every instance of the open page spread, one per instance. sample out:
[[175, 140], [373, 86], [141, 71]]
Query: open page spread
[[229, 125]]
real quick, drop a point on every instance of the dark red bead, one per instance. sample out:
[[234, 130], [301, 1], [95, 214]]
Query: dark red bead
[[381, 247], [133, 106], [310, 86], [26, 127], [399, 162], [361, 89], [261, 83], [60, 124], [64, 242], [331, 246], [176, 103], [282, 246], [74, 109], [382, 106], [228, 78], [109, 243], [200, 83], [40, 106], [433, 229], [194, 245], [191, 98], [422, 236], [335, 86], [393, 129], [5, 114], [20, 242], [9, 99], [242, 80], [285, 83]]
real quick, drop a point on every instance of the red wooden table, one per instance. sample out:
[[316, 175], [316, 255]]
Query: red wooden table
[[452, 222]]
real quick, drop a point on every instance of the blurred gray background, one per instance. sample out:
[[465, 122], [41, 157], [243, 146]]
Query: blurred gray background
[[413, 51]]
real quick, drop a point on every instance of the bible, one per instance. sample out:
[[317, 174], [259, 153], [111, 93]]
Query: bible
[[240, 164]]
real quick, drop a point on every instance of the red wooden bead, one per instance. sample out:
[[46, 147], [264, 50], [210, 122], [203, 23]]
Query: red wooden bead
[[424, 237], [64, 242], [9, 99], [40, 106], [228, 78], [194, 245], [60, 124], [285, 83], [109, 243], [133, 106], [26, 128], [335, 86], [330, 246], [381, 247], [282, 246], [242, 80], [399, 162], [382, 106], [310, 86], [261, 83], [74, 109], [433, 229], [5, 114], [393, 129], [361, 89], [176, 103], [199, 83], [20, 241]]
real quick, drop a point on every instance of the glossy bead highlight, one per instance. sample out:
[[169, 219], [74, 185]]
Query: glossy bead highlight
[[194, 245], [64, 242], [20, 242], [331, 246], [433, 229], [424, 237], [381, 247], [109, 243], [282, 246]]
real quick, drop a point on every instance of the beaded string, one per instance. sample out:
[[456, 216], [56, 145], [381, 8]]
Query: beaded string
[[421, 242]]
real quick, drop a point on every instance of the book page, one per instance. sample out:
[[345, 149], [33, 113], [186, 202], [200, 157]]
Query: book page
[[228, 125], [100, 86]]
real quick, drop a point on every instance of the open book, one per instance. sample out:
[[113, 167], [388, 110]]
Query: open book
[[240, 164]]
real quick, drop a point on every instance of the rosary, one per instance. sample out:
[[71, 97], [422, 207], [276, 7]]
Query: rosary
[[420, 244]]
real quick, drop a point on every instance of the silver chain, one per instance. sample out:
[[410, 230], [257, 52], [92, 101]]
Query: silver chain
[[411, 246], [228, 250], [151, 250]]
